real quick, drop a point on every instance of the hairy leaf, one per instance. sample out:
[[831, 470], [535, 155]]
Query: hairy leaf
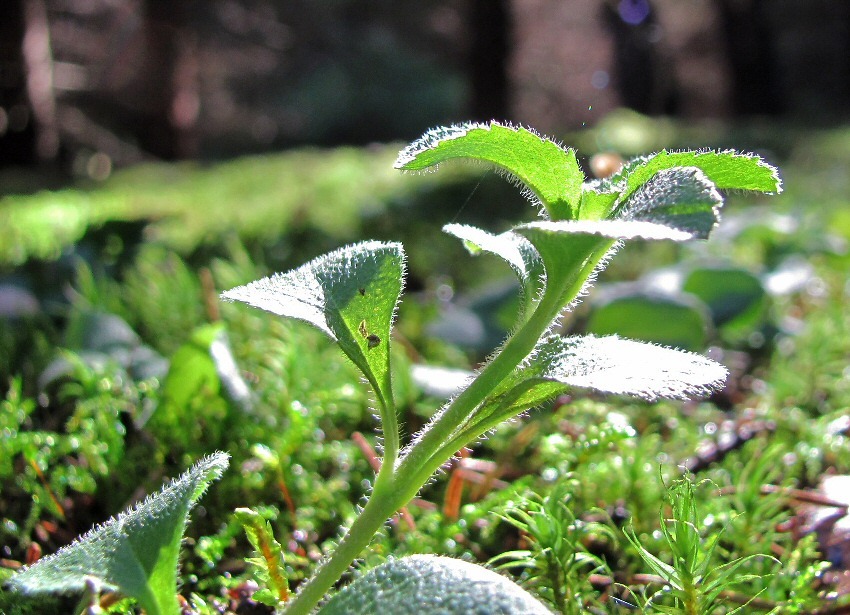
[[679, 198], [432, 585], [514, 249], [573, 250], [134, 553], [624, 367], [606, 364], [548, 170], [350, 294], [728, 170]]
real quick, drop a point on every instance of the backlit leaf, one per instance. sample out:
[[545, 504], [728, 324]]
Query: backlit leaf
[[614, 365], [573, 250], [728, 170], [134, 553], [611, 365], [514, 249], [350, 294], [548, 170]]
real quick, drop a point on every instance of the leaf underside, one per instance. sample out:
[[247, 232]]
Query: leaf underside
[[134, 553], [624, 367], [350, 294], [511, 247], [680, 198]]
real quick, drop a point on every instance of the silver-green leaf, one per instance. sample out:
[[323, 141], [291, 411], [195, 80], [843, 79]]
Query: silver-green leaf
[[350, 294], [681, 198], [546, 169], [134, 553], [624, 367]]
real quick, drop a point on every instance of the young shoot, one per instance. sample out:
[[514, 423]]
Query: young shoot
[[352, 294]]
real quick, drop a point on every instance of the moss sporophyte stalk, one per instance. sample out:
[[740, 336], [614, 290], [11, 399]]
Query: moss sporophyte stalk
[[352, 294]]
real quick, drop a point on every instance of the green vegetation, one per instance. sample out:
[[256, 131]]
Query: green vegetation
[[584, 501]]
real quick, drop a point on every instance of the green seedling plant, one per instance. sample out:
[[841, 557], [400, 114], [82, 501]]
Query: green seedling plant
[[352, 294], [556, 564], [695, 581], [134, 554]]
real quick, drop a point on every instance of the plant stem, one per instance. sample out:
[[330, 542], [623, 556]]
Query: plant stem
[[380, 507], [399, 481], [460, 410]]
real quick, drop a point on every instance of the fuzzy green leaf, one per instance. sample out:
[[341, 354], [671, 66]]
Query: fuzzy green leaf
[[624, 367], [514, 249], [548, 170], [573, 250], [350, 294], [431, 585], [680, 198], [728, 170], [606, 364], [134, 553]]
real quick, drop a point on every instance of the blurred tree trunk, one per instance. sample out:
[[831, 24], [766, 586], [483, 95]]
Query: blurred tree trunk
[[27, 109], [644, 82], [172, 77], [38, 63], [752, 61], [490, 29]]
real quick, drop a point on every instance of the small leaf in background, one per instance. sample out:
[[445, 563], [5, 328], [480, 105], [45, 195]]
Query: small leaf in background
[[671, 320], [680, 198], [192, 372], [737, 299], [269, 558], [432, 585], [545, 168], [134, 553], [350, 294], [99, 338], [202, 387]]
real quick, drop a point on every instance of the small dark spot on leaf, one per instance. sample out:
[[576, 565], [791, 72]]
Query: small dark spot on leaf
[[373, 340], [362, 292]]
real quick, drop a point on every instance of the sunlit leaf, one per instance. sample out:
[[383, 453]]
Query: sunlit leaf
[[545, 168], [514, 249], [609, 365], [573, 250], [623, 367], [679, 198], [134, 553], [432, 585], [350, 294], [728, 170]]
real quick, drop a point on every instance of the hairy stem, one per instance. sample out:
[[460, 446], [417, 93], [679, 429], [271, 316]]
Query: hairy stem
[[382, 504]]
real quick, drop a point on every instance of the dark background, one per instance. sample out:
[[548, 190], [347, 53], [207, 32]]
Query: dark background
[[99, 84]]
